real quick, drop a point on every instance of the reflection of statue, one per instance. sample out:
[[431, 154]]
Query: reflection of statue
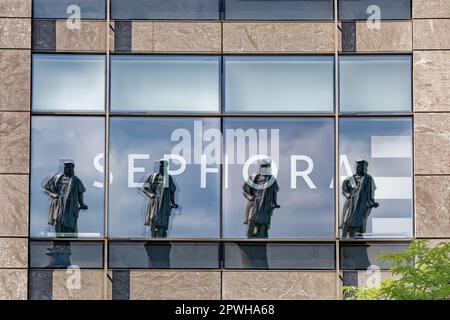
[[66, 191], [59, 254], [158, 255], [359, 191], [160, 188], [254, 256], [261, 193]]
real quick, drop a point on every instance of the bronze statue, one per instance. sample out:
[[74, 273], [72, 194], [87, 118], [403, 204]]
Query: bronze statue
[[261, 193], [160, 188], [66, 192], [359, 191]]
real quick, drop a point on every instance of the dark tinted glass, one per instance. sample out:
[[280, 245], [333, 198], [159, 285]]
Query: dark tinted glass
[[279, 256], [364, 9], [60, 254], [279, 9], [164, 9], [62, 9], [363, 255], [137, 255]]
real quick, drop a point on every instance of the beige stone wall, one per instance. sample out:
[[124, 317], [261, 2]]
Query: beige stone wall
[[15, 61], [432, 117]]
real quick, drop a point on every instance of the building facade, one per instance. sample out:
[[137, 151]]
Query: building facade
[[314, 85]]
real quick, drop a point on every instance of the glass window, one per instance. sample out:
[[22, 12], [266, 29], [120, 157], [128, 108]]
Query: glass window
[[165, 83], [297, 177], [279, 9], [361, 256], [67, 196], [164, 9], [63, 9], [63, 82], [279, 256], [375, 84], [142, 196], [381, 9], [155, 255], [279, 84], [377, 192], [64, 254]]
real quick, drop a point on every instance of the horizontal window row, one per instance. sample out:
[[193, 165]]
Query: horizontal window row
[[197, 84], [229, 9], [189, 255], [232, 177]]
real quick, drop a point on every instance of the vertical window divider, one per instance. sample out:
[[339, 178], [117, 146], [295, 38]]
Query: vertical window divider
[[106, 157]]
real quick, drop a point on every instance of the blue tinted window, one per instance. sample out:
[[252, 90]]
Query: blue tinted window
[[165, 83], [279, 9], [56, 140], [63, 82], [386, 145], [363, 9], [60, 254], [279, 256], [136, 145], [164, 9], [304, 179], [62, 9], [364, 255], [151, 255], [375, 84], [279, 84]]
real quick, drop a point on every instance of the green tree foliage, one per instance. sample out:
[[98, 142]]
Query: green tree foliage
[[421, 272]]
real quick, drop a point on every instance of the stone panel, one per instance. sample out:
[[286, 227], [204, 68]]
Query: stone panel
[[14, 142], [277, 37], [432, 34], [142, 36], [13, 253], [15, 73], [185, 285], [90, 37], [432, 143], [256, 285], [431, 9], [186, 37], [15, 33], [15, 8], [432, 81], [90, 286], [391, 37], [432, 206], [13, 205], [13, 284]]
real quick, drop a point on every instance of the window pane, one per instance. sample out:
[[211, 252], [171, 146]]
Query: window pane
[[279, 256], [362, 256], [62, 9], [173, 255], [63, 254], [165, 83], [386, 181], [375, 83], [279, 9], [164, 9], [63, 82], [304, 180], [136, 145], [279, 84], [56, 197], [363, 9]]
